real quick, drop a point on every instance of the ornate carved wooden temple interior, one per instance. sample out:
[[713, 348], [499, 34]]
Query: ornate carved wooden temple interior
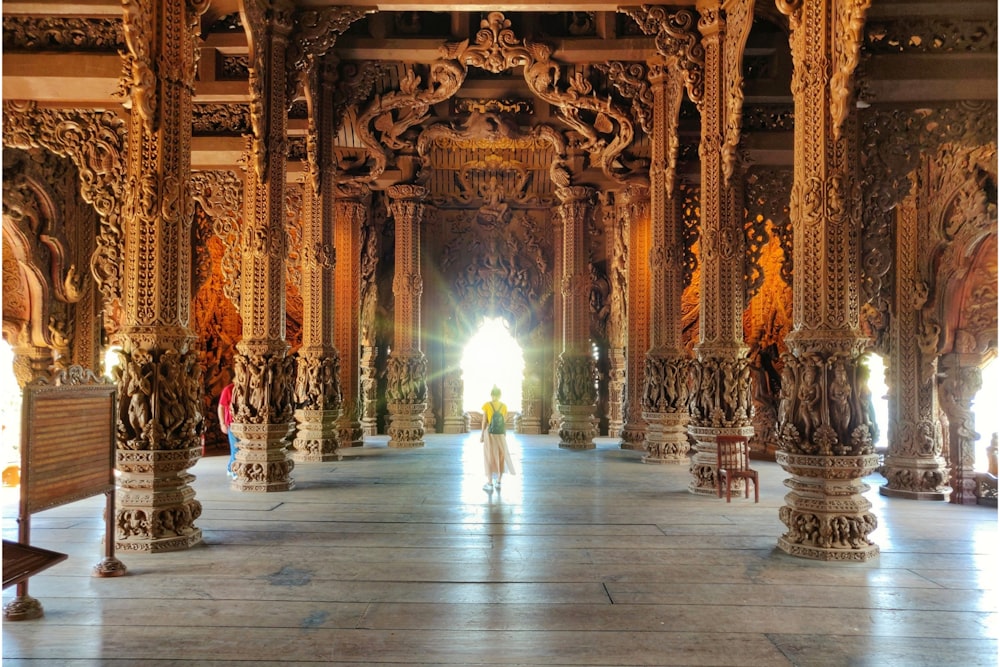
[[695, 220]]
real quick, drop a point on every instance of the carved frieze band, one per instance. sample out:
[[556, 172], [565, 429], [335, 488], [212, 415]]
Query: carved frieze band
[[159, 394], [825, 406], [263, 390], [58, 33], [915, 34]]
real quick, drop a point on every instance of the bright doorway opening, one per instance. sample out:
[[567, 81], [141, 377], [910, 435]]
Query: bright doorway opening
[[10, 416], [492, 357], [880, 397], [985, 408]]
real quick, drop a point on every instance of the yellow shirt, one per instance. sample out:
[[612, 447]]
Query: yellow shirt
[[488, 413]]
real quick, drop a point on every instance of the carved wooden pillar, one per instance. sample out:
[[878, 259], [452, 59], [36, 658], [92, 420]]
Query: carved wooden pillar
[[317, 382], [720, 398], [454, 395], [351, 216], [576, 372], [665, 377], [616, 249], [824, 420], [407, 367], [962, 380], [160, 386], [558, 262], [914, 466], [370, 253], [263, 397], [636, 209]]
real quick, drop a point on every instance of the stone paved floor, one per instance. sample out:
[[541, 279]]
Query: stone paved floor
[[398, 557]]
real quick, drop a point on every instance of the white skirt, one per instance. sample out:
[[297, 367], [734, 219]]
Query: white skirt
[[496, 456]]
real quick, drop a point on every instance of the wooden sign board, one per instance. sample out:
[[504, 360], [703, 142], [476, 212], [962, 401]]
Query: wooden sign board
[[67, 444]]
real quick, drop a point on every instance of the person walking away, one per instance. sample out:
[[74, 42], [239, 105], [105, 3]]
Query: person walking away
[[496, 456]]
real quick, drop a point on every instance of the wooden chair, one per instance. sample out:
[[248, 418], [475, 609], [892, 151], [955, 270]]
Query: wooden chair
[[733, 463]]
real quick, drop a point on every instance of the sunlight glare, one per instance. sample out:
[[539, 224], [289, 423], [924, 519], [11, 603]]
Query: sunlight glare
[[492, 357]]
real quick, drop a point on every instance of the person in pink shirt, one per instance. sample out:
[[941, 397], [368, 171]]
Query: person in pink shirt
[[225, 419]]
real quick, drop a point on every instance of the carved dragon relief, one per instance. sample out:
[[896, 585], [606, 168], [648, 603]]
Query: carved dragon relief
[[604, 130]]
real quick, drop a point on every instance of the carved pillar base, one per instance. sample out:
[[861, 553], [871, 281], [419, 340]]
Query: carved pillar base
[[23, 608], [406, 428], [666, 438], [454, 424], [454, 415], [634, 436], [530, 422], [262, 461], [555, 419], [578, 427], [316, 436], [430, 420], [704, 465], [826, 514], [349, 432], [916, 478], [155, 509]]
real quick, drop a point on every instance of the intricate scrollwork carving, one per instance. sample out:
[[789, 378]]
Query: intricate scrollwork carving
[[766, 194], [96, 142], [314, 34], [215, 119], [677, 40], [630, 79]]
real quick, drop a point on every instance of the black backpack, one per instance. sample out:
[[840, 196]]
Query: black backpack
[[497, 423]]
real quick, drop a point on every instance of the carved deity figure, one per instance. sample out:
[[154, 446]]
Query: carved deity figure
[[809, 402], [840, 400]]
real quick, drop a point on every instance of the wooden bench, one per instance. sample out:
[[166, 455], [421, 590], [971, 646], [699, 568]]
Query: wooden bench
[[67, 454]]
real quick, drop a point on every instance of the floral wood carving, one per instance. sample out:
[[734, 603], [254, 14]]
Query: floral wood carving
[[96, 142], [52, 33]]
